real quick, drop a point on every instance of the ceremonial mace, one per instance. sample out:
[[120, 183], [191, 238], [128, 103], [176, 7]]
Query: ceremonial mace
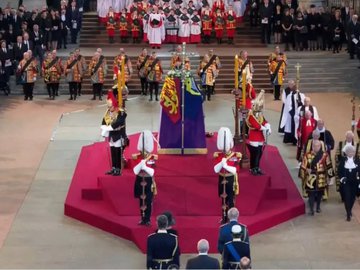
[[183, 99]]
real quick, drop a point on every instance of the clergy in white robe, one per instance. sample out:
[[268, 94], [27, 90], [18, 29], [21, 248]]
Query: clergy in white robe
[[103, 9], [292, 102], [156, 29], [195, 29], [184, 27]]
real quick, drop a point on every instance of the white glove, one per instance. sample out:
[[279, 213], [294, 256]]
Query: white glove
[[359, 186], [268, 127], [138, 167], [230, 169], [262, 128], [223, 162], [148, 170], [342, 180], [106, 128]]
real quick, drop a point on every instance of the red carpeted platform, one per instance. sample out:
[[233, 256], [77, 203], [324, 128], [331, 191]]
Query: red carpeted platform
[[187, 186]]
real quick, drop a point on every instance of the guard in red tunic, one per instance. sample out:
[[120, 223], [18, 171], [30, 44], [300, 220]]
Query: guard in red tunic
[[110, 27], [145, 186], [226, 164], [259, 129], [230, 18], [219, 25], [123, 26], [206, 18], [135, 26]]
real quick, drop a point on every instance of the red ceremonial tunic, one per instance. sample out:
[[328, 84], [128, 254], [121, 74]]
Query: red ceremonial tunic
[[219, 26], [110, 26], [233, 161], [255, 124], [123, 26], [207, 23], [230, 23]]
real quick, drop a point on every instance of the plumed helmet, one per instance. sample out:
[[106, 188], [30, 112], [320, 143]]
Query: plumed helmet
[[146, 141], [259, 101], [225, 139], [111, 100]]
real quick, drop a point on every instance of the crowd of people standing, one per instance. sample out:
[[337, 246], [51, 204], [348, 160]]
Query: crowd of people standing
[[35, 32]]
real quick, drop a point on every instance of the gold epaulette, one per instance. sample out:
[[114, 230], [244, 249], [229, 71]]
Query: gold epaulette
[[216, 154], [135, 156], [238, 155]]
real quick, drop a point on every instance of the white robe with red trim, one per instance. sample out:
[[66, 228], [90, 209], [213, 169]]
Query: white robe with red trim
[[156, 33]]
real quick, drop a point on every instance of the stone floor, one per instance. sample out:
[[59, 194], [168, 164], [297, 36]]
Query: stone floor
[[40, 142]]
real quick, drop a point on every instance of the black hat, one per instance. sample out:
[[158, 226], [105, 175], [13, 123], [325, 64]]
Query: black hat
[[184, 17], [171, 220], [178, 2], [171, 18], [166, 1], [195, 18], [155, 21]]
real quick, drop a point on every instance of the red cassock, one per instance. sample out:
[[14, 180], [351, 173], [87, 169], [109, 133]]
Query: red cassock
[[307, 127], [255, 124]]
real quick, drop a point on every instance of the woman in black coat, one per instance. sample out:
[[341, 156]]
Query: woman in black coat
[[287, 28], [336, 32], [349, 174]]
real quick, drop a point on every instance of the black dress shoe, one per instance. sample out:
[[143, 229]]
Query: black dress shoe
[[71, 98], [116, 172], [318, 210], [259, 171], [311, 213], [110, 172], [93, 98], [348, 218]]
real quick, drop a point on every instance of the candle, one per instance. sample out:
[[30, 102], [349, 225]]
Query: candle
[[243, 87], [236, 71]]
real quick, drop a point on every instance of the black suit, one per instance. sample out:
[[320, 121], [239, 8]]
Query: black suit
[[353, 31], [38, 39], [203, 262], [6, 58], [242, 249], [266, 12], [29, 45], [73, 23], [162, 251], [19, 51], [350, 183]]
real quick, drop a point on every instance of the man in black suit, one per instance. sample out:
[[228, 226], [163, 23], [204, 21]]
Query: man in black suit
[[6, 59], [16, 21], [19, 49], [73, 21], [353, 32], [38, 40], [28, 44], [235, 250], [225, 234], [266, 13], [203, 260], [162, 247]]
